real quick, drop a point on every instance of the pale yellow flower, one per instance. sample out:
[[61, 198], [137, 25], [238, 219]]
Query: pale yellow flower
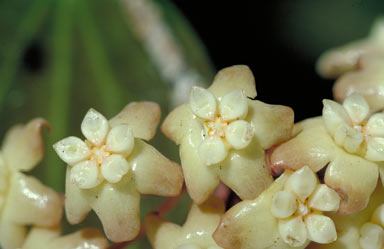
[[289, 214], [24, 200], [196, 233], [113, 166], [223, 132]]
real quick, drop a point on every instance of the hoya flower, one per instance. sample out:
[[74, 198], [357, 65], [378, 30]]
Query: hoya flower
[[48, 238], [289, 214], [110, 169], [24, 200], [348, 141], [196, 233], [223, 132], [337, 61]]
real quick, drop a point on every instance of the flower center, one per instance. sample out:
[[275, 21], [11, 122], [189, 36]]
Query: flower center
[[302, 209], [216, 127], [99, 154]]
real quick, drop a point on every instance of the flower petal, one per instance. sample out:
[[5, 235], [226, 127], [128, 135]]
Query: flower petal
[[159, 231], [356, 107], [293, 231], [246, 172], [95, 127], [188, 246], [375, 149], [203, 103], [212, 150], [153, 173], [239, 134], [114, 203], [321, 229], [12, 235], [324, 198], [371, 236], [175, 125], [86, 174], [235, 77], [23, 145], [120, 140], [114, 168], [31, 202], [142, 117], [348, 138], [378, 215], [233, 105], [342, 174], [72, 150], [283, 204], [334, 115], [272, 124], [375, 125], [302, 183]]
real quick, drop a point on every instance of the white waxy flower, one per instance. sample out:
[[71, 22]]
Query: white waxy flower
[[371, 236], [351, 125], [203, 103], [324, 199], [302, 183], [86, 174], [114, 168], [293, 231], [120, 140], [212, 150], [233, 105], [321, 229], [239, 134], [283, 204], [72, 150], [95, 127]]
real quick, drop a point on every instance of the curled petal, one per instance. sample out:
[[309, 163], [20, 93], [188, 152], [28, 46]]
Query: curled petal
[[203, 103], [120, 140], [283, 204], [375, 149], [235, 77], [321, 229], [324, 199], [142, 117], [302, 183], [239, 134], [212, 150], [356, 107], [86, 174], [233, 105], [114, 168], [371, 236], [95, 127], [334, 115], [72, 150], [23, 145], [375, 125], [293, 231]]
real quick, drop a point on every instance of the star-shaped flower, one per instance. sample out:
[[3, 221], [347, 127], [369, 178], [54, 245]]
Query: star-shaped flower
[[348, 141], [337, 61], [196, 233], [289, 214], [223, 132], [113, 166], [23, 199]]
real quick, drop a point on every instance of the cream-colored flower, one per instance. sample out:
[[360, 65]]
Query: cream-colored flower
[[49, 238], [337, 61], [354, 129], [196, 233], [223, 132], [113, 166], [289, 214], [23, 199]]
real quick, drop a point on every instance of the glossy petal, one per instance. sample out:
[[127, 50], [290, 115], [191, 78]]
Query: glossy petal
[[283, 204], [301, 183], [334, 115], [12, 235], [212, 150], [85, 174], [202, 103], [378, 215], [343, 174], [234, 77], [233, 105], [95, 127], [25, 140], [88, 238], [72, 150], [246, 172], [239, 134], [356, 107], [348, 138], [321, 229], [114, 168], [175, 125], [31, 202], [272, 124], [120, 140], [371, 236], [375, 125], [375, 149], [154, 173], [293, 231], [142, 117], [324, 198]]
